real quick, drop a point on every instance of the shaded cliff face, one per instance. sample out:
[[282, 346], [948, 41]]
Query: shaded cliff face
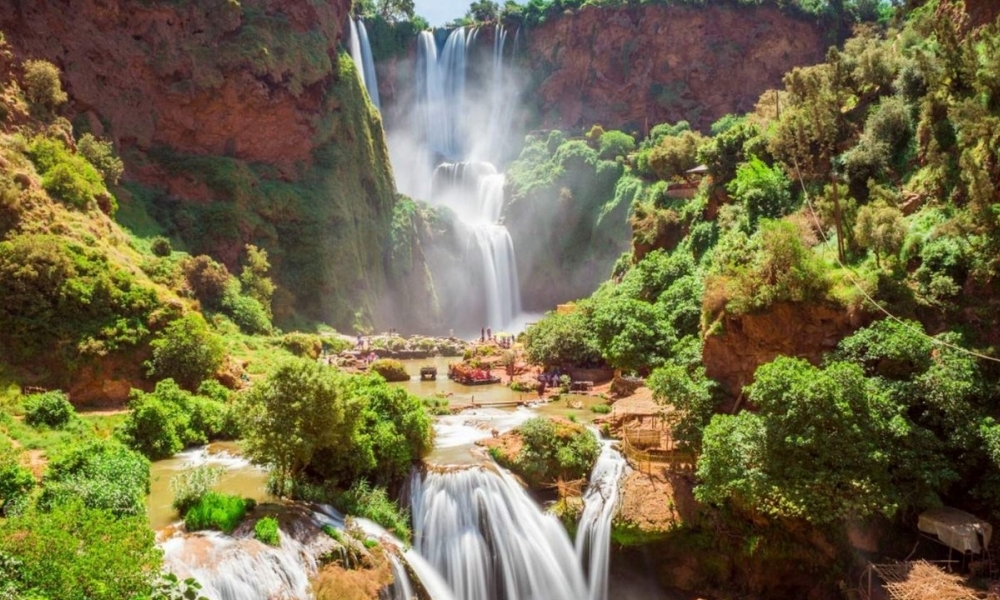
[[239, 123], [637, 67]]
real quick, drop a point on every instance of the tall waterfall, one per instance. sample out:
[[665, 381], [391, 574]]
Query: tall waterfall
[[490, 541], [460, 118], [593, 535], [361, 54]]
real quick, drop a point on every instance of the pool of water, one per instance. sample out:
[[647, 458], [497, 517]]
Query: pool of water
[[239, 477]]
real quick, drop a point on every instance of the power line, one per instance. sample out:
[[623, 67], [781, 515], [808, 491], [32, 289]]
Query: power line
[[851, 277]]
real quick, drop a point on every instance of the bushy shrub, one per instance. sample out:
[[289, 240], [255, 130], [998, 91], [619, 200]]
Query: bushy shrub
[[74, 552], [390, 369], [164, 422], [186, 351], [15, 480], [616, 143], [42, 85], [266, 530], [101, 154], [217, 511], [160, 246], [373, 503], [247, 312], [190, 486], [562, 340], [102, 475], [303, 344], [51, 409], [67, 176], [207, 279]]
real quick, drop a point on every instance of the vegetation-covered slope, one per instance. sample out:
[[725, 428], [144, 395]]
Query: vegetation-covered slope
[[866, 185], [238, 123]]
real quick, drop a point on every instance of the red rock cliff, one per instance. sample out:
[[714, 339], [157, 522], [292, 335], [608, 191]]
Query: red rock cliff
[[179, 74], [239, 122], [637, 67]]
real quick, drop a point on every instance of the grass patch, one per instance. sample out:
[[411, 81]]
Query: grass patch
[[373, 503], [217, 511], [601, 409]]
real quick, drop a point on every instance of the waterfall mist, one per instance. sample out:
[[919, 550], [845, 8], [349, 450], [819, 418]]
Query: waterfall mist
[[449, 139]]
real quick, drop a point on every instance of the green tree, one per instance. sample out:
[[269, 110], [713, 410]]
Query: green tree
[[187, 351], [42, 86], [563, 340], [51, 409], [395, 10], [254, 279], [483, 11], [101, 154], [689, 391], [881, 228], [293, 413], [77, 553], [824, 446], [615, 143], [675, 155], [764, 191]]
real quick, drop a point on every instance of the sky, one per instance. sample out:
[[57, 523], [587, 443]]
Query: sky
[[439, 12]]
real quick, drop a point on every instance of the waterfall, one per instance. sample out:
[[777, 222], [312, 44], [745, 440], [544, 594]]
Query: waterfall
[[490, 541], [368, 65], [231, 568], [361, 54], [593, 535]]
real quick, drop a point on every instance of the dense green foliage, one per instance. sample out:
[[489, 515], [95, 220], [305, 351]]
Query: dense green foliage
[[390, 369], [190, 486], [187, 351], [266, 530], [168, 419], [51, 409], [102, 475], [554, 451], [345, 427], [562, 340], [373, 503], [217, 511], [77, 553]]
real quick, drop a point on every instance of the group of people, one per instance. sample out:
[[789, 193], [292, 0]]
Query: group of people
[[504, 341], [548, 378]]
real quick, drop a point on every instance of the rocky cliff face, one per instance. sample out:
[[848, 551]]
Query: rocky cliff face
[[742, 343], [239, 123], [637, 67]]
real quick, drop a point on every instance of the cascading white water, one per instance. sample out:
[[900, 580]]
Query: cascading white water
[[490, 541], [241, 568], [361, 54], [368, 65], [355, 46], [458, 124], [593, 535]]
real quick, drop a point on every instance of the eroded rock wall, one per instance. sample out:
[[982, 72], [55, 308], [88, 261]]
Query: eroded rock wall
[[239, 122], [636, 67]]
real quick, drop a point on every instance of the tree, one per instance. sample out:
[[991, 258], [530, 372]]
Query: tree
[[675, 155], [826, 444], [562, 339], [256, 283], [689, 391], [42, 86], [483, 11], [764, 191], [101, 154], [395, 10], [296, 411], [186, 351], [881, 228], [615, 143], [101, 474]]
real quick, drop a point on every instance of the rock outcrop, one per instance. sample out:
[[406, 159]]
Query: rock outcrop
[[636, 67], [239, 122], [742, 343]]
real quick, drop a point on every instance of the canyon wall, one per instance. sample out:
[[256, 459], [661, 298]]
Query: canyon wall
[[239, 122], [636, 67]]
